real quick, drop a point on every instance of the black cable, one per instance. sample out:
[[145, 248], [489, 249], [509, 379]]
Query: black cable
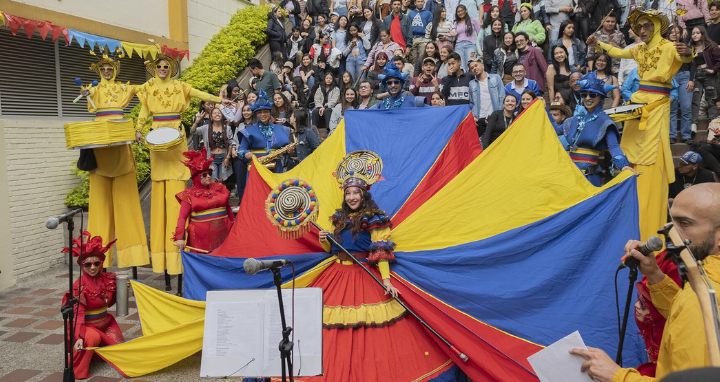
[[617, 301]]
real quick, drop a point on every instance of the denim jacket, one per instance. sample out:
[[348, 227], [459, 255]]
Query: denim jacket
[[497, 93], [578, 51], [363, 48]]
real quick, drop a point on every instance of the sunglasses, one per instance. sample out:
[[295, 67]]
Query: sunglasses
[[589, 95], [163, 66], [393, 82], [106, 69], [205, 174], [96, 264], [364, 87]]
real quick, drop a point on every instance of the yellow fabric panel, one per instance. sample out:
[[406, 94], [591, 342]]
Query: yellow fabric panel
[[380, 234], [151, 353], [143, 50], [378, 314], [527, 158], [317, 169], [308, 277], [159, 311]]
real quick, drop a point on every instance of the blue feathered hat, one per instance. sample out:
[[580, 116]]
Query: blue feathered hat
[[594, 85], [262, 102], [391, 70]]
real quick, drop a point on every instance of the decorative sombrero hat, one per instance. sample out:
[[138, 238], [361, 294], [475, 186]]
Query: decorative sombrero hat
[[262, 102], [359, 169], [91, 247], [150, 66], [291, 206], [651, 13], [391, 70], [598, 86], [106, 60]]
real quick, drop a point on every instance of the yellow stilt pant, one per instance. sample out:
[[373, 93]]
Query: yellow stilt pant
[[652, 188], [163, 219]]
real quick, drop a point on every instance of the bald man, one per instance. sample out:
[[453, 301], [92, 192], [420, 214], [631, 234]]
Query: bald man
[[696, 216]]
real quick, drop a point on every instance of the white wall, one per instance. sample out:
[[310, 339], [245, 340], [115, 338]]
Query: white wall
[[38, 179], [206, 18], [148, 16]]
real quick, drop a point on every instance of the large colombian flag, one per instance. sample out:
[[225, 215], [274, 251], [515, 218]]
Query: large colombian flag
[[502, 253]]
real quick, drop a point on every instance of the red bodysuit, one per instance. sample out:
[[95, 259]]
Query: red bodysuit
[[210, 216]]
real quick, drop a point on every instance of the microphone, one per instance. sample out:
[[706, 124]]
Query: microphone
[[653, 244], [253, 266], [54, 221]]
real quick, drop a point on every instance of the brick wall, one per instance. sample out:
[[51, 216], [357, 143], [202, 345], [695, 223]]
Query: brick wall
[[38, 167], [206, 18]]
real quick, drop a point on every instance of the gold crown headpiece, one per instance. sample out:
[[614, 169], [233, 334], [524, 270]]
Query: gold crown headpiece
[[359, 169]]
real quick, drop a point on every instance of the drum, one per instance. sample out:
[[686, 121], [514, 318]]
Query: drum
[[164, 139], [94, 134], [624, 109]]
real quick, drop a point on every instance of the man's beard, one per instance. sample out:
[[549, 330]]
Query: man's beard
[[704, 249]]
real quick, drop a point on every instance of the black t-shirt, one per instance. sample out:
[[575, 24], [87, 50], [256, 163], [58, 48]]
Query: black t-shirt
[[714, 32], [683, 182]]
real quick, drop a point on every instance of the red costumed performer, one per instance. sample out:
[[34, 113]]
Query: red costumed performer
[[207, 204], [95, 291]]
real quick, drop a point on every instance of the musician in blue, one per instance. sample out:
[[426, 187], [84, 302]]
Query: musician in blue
[[590, 132], [259, 140], [393, 82]]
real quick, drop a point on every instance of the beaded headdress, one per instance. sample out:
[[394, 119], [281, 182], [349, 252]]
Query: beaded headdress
[[90, 247], [359, 169]]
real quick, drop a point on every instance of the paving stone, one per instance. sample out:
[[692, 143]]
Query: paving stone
[[132, 305], [20, 323], [103, 379], [48, 312], [54, 377], [20, 310], [3, 307], [50, 325], [52, 339], [20, 337], [2, 334], [21, 300], [19, 375], [62, 276], [133, 316], [42, 292], [126, 327], [49, 301]]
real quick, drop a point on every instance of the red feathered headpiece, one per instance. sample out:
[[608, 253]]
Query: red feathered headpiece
[[197, 161], [92, 247]]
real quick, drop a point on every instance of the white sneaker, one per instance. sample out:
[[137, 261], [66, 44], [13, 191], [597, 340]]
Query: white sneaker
[[693, 128]]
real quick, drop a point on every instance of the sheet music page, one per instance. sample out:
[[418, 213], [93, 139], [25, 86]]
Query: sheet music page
[[235, 333]]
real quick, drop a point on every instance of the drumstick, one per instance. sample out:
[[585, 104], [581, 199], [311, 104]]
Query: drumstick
[[196, 250]]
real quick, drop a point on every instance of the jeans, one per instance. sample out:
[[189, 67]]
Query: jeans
[[341, 11], [241, 173], [353, 64], [465, 49], [684, 102], [217, 164], [707, 85]]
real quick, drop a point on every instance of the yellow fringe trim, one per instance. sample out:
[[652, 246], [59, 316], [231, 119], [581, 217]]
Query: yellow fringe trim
[[378, 314]]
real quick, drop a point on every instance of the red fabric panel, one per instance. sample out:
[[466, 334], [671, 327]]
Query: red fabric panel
[[462, 148], [494, 355], [253, 235]]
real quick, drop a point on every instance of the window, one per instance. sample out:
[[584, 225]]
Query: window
[[37, 77]]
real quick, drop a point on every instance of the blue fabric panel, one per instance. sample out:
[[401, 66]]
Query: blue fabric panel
[[545, 280], [404, 166]]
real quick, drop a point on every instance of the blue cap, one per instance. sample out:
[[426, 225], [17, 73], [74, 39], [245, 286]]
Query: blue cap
[[262, 102], [691, 157]]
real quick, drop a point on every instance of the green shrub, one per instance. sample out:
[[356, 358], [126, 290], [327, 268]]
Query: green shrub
[[223, 58]]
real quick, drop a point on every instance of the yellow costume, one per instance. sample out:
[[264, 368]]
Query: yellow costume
[[165, 99], [683, 345], [646, 141], [114, 201]]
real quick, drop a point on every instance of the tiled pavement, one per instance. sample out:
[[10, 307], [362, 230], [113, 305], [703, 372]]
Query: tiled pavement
[[31, 332]]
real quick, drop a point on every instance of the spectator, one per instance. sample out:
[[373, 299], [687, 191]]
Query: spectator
[[306, 71], [507, 11], [540, 15], [323, 26], [370, 26], [334, 17], [251, 98], [321, 48], [609, 35], [349, 102], [377, 70], [566, 97], [346, 82], [338, 38], [689, 173], [713, 26], [385, 46], [559, 12], [217, 137], [486, 94], [437, 99], [602, 72], [355, 11], [442, 70], [520, 83], [407, 66], [582, 19], [560, 112], [466, 30], [506, 56], [691, 14], [574, 47], [294, 46], [558, 74], [339, 7], [281, 110], [456, 85], [365, 94], [298, 93], [441, 30], [710, 150], [533, 60], [267, 80], [426, 83], [306, 138], [287, 75], [451, 9], [598, 9], [532, 28], [307, 32], [486, 27], [420, 19], [399, 26], [628, 64], [276, 34], [406, 7], [432, 51], [707, 65], [317, 8], [526, 98], [474, 9], [499, 121], [575, 87], [492, 41], [683, 102], [400, 63], [356, 48], [326, 97]]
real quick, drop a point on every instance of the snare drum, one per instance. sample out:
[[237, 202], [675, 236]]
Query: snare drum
[[93, 134], [624, 109], [164, 139]]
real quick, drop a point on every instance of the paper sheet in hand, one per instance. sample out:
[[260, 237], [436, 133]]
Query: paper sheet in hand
[[556, 364]]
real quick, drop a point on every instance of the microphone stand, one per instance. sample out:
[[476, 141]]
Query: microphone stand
[[633, 278], [462, 356], [67, 313], [286, 345]]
